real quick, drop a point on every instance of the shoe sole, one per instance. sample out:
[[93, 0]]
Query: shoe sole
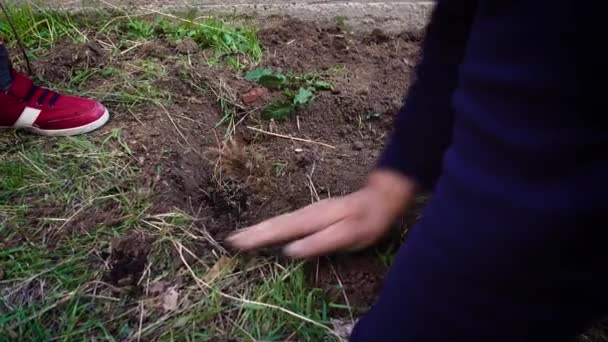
[[71, 131]]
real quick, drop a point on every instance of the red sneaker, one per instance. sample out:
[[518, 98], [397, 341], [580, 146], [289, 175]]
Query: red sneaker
[[45, 112]]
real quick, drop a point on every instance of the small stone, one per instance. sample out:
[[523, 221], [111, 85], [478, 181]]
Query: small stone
[[298, 150], [170, 300], [358, 145]]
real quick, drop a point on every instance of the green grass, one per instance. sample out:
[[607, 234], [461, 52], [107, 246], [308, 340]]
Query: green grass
[[135, 84], [230, 42], [32, 176], [33, 312], [287, 289], [235, 45], [38, 27], [45, 268]]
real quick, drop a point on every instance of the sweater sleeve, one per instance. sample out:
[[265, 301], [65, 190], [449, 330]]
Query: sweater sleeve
[[423, 128]]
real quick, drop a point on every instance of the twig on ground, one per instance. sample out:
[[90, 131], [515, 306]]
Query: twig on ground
[[241, 329], [177, 128], [350, 310], [141, 319], [38, 314], [173, 123], [113, 299], [290, 137], [136, 45], [314, 195]]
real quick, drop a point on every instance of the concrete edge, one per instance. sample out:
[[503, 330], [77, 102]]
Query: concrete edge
[[360, 16]]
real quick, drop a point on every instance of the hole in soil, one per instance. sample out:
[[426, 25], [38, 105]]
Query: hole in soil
[[229, 198], [128, 260]]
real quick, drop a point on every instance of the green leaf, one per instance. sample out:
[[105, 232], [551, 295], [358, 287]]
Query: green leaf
[[322, 85], [228, 39], [276, 81], [304, 96], [255, 75], [279, 110], [140, 29]]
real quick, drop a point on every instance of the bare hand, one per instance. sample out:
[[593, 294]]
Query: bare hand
[[352, 222]]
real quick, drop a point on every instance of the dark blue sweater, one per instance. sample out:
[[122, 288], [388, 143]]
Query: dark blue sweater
[[511, 247]]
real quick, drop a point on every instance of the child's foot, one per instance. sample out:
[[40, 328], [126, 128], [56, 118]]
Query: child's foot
[[45, 112]]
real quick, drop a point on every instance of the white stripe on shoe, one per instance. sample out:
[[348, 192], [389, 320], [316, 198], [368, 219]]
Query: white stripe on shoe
[[27, 118], [74, 130], [32, 115]]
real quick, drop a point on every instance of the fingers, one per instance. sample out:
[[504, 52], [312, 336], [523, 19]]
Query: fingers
[[340, 236], [291, 226]]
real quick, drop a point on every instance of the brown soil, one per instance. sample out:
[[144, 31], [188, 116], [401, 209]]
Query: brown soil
[[128, 260], [357, 278], [258, 176]]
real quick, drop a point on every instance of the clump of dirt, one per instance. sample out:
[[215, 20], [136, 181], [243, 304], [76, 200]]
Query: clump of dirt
[[128, 260]]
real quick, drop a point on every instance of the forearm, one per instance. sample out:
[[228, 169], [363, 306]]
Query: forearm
[[423, 127]]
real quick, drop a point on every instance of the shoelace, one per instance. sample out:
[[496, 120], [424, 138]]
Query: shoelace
[[19, 42], [45, 93]]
